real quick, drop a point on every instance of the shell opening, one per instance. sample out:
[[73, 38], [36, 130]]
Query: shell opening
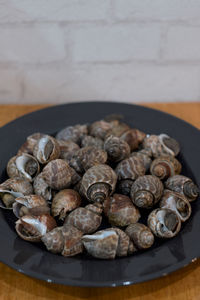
[[46, 146], [168, 221], [104, 234], [27, 166], [170, 144]]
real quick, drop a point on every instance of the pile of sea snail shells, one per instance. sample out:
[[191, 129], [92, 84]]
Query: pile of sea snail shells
[[61, 189]]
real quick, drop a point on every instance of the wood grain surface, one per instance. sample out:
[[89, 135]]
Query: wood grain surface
[[181, 285]]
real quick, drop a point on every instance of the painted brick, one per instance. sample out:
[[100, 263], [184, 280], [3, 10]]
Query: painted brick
[[115, 43]]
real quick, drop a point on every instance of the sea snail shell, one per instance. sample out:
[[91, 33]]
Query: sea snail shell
[[32, 228], [140, 235], [72, 133], [146, 191], [161, 145], [164, 223], [116, 148], [86, 219], [65, 201], [184, 186], [133, 137], [130, 168], [165, 166], [120, 210], [30, 143], [176, 202], [89, 140], [145, 156], [98, 183], [41, 188], [46, 149], [65, 240], [23, 166]]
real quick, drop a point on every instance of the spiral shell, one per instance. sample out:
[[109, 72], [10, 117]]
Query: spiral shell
[[46, 149], [65, 240], [41, 188], [23, 166], [130, 168], [176, 202], [92, 156], [103, 244], [146, 191], [72, 133], [26, 205], [145, 156], [183, 185], [165, 166], [32, 228], [98, 183], [164, 223], [125, 245], [30, 143], [86, 219], [124, 186], [140, 235], [17, 184], [65, 201], [99, 129], [89, 140], [161, 145], [120, 210], [116, 148], [67, 149], [133, 137], [117, 128], [59, 175]]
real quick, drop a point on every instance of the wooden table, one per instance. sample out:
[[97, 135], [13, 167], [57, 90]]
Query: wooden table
[[181, 285]]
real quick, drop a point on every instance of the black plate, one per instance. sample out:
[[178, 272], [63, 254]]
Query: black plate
[[163, 258]]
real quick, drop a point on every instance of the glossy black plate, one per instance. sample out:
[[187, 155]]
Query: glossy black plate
[[165, 257]]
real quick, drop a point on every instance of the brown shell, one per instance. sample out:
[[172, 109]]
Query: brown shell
[[54, 240], [46, 149], [7, 198], [58, 174], [41, 188], [117, 129], [130, 168], [176, 202], [23, 166], [102, 244], [72, 241], [17, 184], [146, 191], [125, 246], [98, 183], [99, 129], [165, 166], [145, 157], [65, 201], [161, 145], [183, 185], [72, 133], [30, 143], [133, 137], [32, 228], [164, 223], [116, 148], [120, 210], [89, 140], [84, 219], [140, 235], [67, 149]]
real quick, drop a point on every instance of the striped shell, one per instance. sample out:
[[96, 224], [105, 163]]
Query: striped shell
[[161, 145], [30, 143], [92, 156], [41, 188], [165, 166], [146, 191], [86, 219], [98, 183], [176, 202], [46, 149], [67, 149], [23, 166], [89, 140], [59, 175], [140, 235], [99, 129], [72, 133], [65, 201], [133, 137], [183, 185], [116, 148], [130, 168], [17, 184], [145, 156], [164, 223], [120, 210]]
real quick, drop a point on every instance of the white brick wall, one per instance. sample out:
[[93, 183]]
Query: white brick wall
[[75, 50]]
